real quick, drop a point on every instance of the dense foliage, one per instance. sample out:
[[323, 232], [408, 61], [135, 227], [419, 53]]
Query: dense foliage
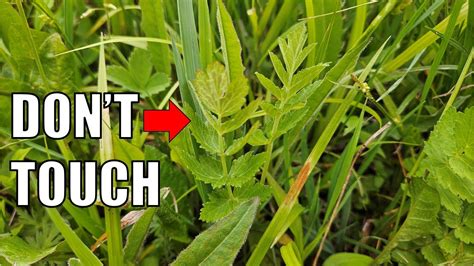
[[322, 132]]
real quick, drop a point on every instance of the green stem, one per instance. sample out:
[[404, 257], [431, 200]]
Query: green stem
[[224, 160], [461, 78], [269, 150]]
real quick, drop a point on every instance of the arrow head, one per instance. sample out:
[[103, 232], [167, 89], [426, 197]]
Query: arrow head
[[172, 121], [177, 121]]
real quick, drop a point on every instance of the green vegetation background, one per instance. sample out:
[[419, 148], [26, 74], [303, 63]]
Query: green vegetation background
[[335, 132]]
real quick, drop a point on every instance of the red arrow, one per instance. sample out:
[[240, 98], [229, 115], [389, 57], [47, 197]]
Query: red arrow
[[171, 121]]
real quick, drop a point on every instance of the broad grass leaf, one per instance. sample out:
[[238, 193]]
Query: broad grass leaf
[[206, 36], [230, 43], [189, 38], [348, 259], [220, 244], [291, 254], [18, 252], [137, 234]]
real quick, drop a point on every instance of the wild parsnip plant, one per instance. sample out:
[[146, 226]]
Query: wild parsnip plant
[[322, 132]]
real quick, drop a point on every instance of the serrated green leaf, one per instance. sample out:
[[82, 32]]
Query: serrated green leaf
[[217, 94], [205, 169], [279, 69], [138, 76], [218, 206], [421, 219], [240, 142], [465, 234], [156, 84], [240, 118], [449, 244], [221, 203], [269, 85], [448, 200], [433, 254], [244, 168], [140, 67], [18, 252], [289, 121], [220, 244], [204, 133], [449, 156], [154, 25], [292, 46], [468, 218], [120, 76], [258, 138], [305, 77], [451, 219]]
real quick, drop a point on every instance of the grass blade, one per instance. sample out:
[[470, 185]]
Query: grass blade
[[442, 49], [423, 42], [230, 43], [206, 38], [77, 246], [112, 215], [189, 38]]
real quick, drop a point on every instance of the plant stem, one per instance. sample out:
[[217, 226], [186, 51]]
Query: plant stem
[[269, 149], [458, 85], [224, 159]]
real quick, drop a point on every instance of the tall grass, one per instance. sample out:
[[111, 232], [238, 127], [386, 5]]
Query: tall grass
[[331, 103]]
